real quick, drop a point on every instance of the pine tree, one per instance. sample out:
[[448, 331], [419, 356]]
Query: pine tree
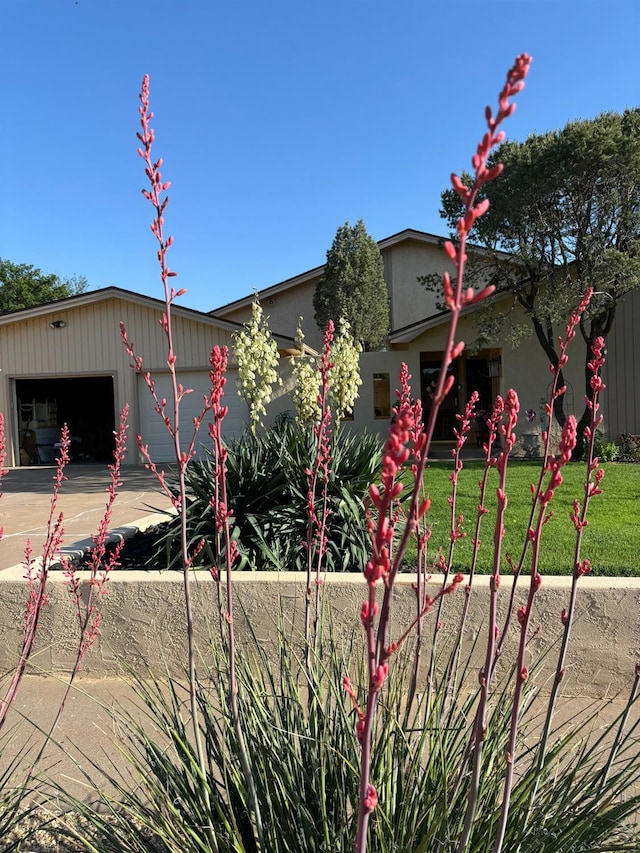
[[353, 287]]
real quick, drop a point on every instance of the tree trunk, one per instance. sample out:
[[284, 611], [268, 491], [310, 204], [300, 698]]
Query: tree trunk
[[547, 342]]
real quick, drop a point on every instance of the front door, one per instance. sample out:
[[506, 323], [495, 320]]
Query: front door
[[446, 419]]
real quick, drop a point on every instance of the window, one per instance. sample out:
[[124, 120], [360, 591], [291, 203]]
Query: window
[[381, 395]]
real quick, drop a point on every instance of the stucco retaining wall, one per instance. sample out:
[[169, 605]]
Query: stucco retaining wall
[[143, 621]]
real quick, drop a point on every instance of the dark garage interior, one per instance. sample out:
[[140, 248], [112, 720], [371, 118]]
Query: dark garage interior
[[84, 403]]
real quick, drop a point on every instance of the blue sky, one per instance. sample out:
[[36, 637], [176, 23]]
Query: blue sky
[[277, 120]]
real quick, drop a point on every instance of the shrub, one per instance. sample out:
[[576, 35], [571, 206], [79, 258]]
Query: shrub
[[629, 448], [266, 477], [301, 736], [606, 451]]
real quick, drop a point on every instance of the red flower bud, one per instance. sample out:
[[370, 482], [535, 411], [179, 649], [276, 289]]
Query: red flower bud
[[450, 249], [493, 172], [371, 800]]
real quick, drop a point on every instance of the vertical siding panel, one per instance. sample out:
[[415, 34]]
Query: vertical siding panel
[[155, 341], [634, 377], [180, 346], [620, 401], [91, 322], [612, 405], [80, 352], [34, 354], [623, 369], [90, 344]]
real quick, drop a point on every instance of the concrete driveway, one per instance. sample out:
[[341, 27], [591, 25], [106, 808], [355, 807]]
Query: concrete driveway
[[26, 502]]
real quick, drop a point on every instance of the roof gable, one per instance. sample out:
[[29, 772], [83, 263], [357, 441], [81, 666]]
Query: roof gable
[[106, 294], [407, 236]]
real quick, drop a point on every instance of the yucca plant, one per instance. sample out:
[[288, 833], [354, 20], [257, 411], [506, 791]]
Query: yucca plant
[[17, 793], [266, 476], [301, 736]]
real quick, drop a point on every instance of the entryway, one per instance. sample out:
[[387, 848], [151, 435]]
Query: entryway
[[84, 403]]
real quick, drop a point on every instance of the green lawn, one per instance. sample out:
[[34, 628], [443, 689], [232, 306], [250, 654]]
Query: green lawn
[[611, 541]]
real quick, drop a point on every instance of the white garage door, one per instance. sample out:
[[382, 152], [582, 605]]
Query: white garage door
[[153, 430]]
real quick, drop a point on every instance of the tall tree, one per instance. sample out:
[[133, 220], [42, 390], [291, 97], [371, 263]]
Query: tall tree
[[567, 208], [25, 286], [353, 287]]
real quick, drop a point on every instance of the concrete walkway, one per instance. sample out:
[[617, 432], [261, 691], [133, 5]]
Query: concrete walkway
[[26, 501]]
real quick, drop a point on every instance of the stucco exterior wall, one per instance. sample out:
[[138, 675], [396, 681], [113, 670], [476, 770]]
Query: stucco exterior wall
[[143, 623], [403, 263], [283, 309], [524, 369]]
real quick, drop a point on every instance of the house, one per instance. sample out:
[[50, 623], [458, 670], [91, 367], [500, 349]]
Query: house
[[64, 362], [418, 336], [405, 256]]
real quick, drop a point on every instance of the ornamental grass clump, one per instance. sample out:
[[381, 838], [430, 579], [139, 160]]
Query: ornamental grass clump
[[347, 735]]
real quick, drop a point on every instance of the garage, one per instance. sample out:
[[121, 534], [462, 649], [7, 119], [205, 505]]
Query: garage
[[84, 403], [153, 430], [64, 362]]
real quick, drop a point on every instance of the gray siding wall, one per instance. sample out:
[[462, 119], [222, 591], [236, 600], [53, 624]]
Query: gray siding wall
[[621, 400]]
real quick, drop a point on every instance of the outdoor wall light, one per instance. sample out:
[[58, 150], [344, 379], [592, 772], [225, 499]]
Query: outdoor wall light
[[57, 324]]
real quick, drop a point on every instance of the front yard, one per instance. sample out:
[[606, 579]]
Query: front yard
[[611, 540]]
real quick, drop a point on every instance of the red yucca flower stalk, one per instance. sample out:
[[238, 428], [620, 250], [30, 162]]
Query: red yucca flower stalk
[[36, 574], [455, 532], [510, 419], [88, 611], [578, 516], [550, 480], [554, 466], [170, 415], [320, 471], [382, 567], [227, 552], [422, 534], [493, 424], [556, 392], [100, 564], [169, 412], [396, 452]]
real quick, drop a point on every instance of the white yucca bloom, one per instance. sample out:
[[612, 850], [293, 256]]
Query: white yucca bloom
[[344, 377], [307, 383], [257, 356]]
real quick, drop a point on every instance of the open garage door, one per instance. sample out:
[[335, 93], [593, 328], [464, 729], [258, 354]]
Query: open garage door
[[153, 430], [84, 403]]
